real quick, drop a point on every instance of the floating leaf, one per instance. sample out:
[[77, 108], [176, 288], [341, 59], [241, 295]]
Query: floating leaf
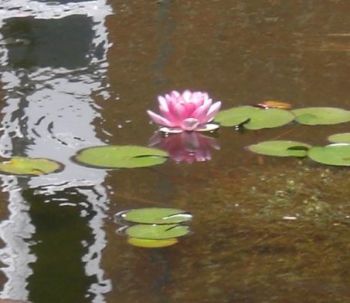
[[157, 232], [280, 148], [29, 166], [340, 138], [253, 117], [321, 115], [120, 156], [334, 154], [235, 116], [149, 243], [155, 215]]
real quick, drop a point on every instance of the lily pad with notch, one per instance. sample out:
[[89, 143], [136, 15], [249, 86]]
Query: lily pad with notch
[[337, 154], [254, 118], [155, 215], [321, 115], [280, 148], [120, 156], [157, 232], [29, 166]]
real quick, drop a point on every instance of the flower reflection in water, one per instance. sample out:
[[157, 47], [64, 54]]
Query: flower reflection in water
[[186, 147]]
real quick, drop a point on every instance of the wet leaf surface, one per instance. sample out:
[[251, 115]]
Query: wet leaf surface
[[337, 154], [29, 166], [157, 232], [120, 156], [155, 215], [321, 115], [280, 148], [253, 117]]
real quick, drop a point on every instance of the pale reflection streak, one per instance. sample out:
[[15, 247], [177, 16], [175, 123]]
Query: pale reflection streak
[[49, 113]]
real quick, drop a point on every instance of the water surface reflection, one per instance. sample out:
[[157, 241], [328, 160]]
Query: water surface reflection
[[49, 74]]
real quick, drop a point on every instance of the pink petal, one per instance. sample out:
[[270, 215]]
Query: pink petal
[[163, 104], [198, 98], [213, 110], [189, 124], [201, 112], [186, 95], [159, 119]]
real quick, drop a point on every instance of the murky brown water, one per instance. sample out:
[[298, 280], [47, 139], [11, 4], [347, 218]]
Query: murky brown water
[[263, 230]]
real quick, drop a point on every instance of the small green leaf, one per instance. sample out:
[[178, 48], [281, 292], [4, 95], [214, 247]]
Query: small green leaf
[[155, 215], [120, 156], [157, 232], [150, 243], [280, 148], [235, 116], [321, 115], [254, 118], [29, 166], [340, 138], [334, 154]]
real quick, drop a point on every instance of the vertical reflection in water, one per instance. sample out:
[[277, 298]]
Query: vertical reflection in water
[[53, 57], [166, 29]]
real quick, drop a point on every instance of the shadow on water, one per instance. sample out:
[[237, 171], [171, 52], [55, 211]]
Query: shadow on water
[[264, 229]]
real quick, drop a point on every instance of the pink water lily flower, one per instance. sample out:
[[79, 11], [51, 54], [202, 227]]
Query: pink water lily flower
[[187, 111]]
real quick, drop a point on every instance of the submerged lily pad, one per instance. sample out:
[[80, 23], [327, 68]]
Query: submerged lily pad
[[157, 232], [321, 115], [253, 117], [150, 243], [334, 154], [280, 148], [29, 166], [340, 138], [155, 215], [120, 156]]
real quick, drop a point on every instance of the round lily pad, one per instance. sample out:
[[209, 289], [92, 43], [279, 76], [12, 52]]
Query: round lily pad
[[321, 115], [280, 148], [155, 215], [340, 138], [157, 232], [120, 156], [29, 166], [254, 117], [334, 154], [149, 243]]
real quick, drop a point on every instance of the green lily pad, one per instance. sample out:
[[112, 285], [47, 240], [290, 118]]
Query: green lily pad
[[29, 166], [334, 154], [280, 148], [120, 156], [150, 243], [253, 117], [321, 115], [340, 138], [155, 215], [157, 232]]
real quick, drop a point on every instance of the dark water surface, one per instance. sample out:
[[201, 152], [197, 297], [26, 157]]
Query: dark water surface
[[81, 73]]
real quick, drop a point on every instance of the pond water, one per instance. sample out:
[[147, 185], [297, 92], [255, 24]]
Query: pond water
[[76, 74]]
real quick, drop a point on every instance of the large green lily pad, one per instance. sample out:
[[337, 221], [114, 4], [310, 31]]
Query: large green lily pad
[[334, 154], [29, 166], [150, 243], [155, 215], [280, 148], [340, 138], [120, 156], [321, 115], [157, 232], [253, 117]]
